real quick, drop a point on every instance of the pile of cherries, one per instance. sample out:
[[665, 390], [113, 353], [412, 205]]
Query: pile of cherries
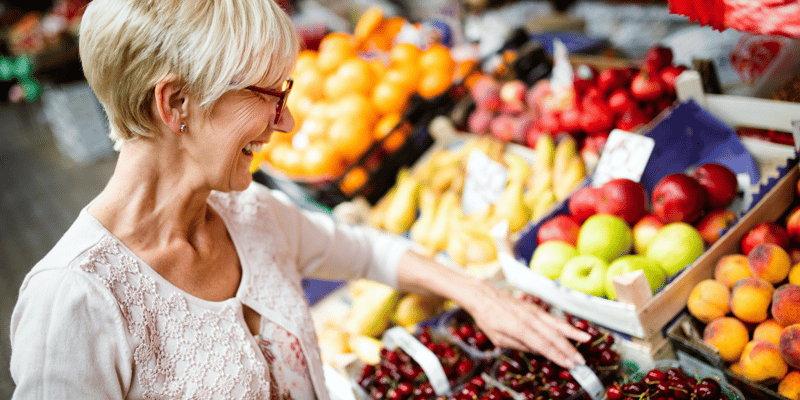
[[670, 384], [598, 351], [463, 328], [398, 376], [478, 389]]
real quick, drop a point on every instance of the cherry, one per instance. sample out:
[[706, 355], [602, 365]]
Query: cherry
[[633, 388], [404, 388], [655, 376], [614, 392]]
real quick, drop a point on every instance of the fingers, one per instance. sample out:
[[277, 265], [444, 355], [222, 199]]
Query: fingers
[[566, 329]]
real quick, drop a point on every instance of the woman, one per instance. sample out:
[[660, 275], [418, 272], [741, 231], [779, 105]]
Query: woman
[[182, 278]]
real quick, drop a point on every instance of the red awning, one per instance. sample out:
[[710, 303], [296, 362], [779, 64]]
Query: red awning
[[762, 17]]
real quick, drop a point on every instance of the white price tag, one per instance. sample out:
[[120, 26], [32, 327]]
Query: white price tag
[[796, 134], [484, 184], [338, 387], [588, 381], [399, 337], [625, 155]]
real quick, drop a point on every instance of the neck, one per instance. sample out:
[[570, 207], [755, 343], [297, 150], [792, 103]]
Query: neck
[[156, 194]]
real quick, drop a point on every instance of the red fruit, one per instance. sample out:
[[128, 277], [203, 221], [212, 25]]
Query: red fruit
[[646, 86], [560, 227], [713, 223], [765, 232], [678, 198], [583, 204], [669, 74], [793, 226], [657, 57], [612, 78], [549, 122], [486, 93], [569, 120], [532, 136], [624, 198], [596, 116], [620, 101], [632, 119], [584, 77], [502, 127], [479, 121], [719, 182], [520, 126]]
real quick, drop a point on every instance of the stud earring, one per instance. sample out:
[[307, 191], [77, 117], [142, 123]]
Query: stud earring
[[183, 128]]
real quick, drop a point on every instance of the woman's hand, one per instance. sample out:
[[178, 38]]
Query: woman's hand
[[513, 323], [509, 322]]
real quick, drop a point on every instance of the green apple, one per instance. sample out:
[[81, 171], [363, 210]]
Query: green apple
[[549, 257], [675, 246], [605, 236], [652, 271], [585, 273]]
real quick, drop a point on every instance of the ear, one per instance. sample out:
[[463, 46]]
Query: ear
[[171, 102]]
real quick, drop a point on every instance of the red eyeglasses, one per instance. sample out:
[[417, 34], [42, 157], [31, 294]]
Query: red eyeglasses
[[280, 94]]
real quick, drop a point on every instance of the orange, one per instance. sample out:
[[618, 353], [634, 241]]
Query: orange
[[287, 159], [319, 160], [350, 137], [391, 27], [305, 59], [335, 87], [315, 129], [378, 68], [395, 139], [299, 104], [436, 57], [368, 23], [434, 83], [333, 50], [385, 125], [406, 77], [358, 74], [464, 68], [404, 54], [307, 82], [354, 180], [356, 106], [388, 97]]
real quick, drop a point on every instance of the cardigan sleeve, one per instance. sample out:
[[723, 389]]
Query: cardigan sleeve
[[68, 340], [326, 249]]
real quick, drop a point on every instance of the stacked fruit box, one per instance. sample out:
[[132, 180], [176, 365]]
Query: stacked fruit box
[[762, 364]]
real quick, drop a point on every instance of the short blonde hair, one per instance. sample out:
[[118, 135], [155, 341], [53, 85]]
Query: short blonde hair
[[127, 46]]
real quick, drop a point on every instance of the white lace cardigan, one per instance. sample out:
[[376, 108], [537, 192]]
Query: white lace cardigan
[[94, 321]]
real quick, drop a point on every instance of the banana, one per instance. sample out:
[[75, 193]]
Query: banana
[[420, 230], [414, 308], [371, 311], [565, 151], [539, 181], [542, 203], [402, 210], [518, 167], [440, 228], [573, 173], [545, 152], [512, 207]]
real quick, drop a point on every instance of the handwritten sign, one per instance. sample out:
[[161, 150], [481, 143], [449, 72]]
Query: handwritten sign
[[399, 337], [625, 155], [484, 184]]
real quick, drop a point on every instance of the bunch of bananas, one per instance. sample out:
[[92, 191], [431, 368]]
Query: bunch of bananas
[[426, 201]]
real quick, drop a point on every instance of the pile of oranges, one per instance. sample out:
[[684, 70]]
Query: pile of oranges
[[351, 93]]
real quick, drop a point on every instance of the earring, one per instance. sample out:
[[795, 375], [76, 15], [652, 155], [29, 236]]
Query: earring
[[183, 128]]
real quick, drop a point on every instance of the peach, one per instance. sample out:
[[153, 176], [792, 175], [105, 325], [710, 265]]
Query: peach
[[709, 300], [786, 304], [789, 345], [769, 330], [789, 386], [761, 360], [750, 298], [728, 335], [769, 262], [735, 367], [731, 268], [794, 275]]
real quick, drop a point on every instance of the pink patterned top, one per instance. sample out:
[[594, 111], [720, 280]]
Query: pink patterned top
[[94, 321]]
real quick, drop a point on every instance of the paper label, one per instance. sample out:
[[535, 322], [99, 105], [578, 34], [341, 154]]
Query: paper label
[[338, 387], [696, 367], [484, 184], [399, 337], [625, 155], [588, 381], [796, 134]]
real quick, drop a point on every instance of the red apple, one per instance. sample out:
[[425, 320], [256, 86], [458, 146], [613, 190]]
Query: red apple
[[644, 231], [793, 225], [512, 94], [596, 116], [713, 223], [647, 86], [765, 232], [632, 119], [583, 204], [669, 75], [569, 120], [658, 57], [624, 198], [585, 76], [612, 78], [678, 198], [719, 182], [502, 127], [620, 101], [560, 227]]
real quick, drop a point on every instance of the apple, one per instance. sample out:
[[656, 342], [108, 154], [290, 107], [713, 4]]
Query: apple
[[583, 204], [644, 231], [612, 78], [793, 225], [652, 271], [585, 76], [560, 227], [719, 182], [605, 236], [624, 198], [678, 198], [675, 246], [647, 87], [713, 223], [550, 257], [620, 101], [669, 75], [658, 57], [765, 232], [512, 95], [585, 273]]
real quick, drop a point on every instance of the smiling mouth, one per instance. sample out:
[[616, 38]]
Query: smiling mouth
[[252, 147]]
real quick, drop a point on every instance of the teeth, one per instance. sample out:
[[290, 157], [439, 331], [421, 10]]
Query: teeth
[[251, 148]]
